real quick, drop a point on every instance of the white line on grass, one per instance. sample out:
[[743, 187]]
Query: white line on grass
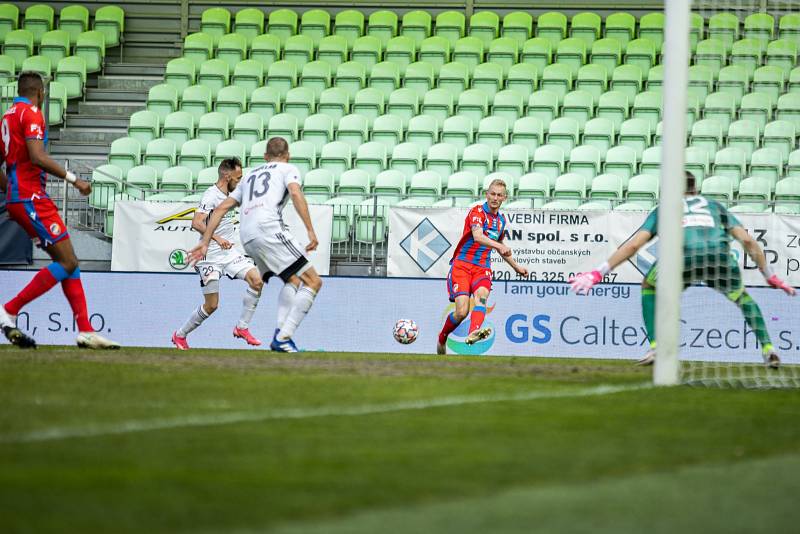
[[215, 419]]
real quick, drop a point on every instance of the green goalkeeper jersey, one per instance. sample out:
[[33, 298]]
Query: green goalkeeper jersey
[[706, 225]]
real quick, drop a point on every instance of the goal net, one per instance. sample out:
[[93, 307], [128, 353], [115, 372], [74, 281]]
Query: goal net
[[718, 322]]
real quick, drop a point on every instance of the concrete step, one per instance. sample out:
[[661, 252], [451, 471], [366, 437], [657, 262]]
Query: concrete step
[[79, 149], [76, 120], [118, 109], [144, 69], [129, 83], [115, 95], [91, 135]]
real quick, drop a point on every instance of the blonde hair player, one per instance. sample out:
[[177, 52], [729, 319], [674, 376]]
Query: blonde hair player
[[707, 231], [262, 195], [471, 269]]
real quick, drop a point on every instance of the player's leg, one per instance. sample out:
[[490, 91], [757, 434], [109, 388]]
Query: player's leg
[[481, 287], [285, 301], [301, 303], [249, 304], [210, 288], [649, 313], [458, 281], [729, 282]]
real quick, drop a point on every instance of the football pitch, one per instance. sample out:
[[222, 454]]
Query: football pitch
[[152, 440]]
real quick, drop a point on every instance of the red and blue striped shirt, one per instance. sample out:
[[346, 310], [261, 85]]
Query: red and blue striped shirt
[[493, 226]]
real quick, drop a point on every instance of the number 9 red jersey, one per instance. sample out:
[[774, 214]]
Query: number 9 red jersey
[[22, 121]]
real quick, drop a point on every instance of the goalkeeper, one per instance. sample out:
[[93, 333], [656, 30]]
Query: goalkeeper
[[707, 231]]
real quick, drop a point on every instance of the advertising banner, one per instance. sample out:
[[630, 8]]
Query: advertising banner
[[553, 245], [155, 236], [357, 315]]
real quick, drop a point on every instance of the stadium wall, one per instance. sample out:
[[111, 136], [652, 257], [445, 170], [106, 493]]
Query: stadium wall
[[357, 315]]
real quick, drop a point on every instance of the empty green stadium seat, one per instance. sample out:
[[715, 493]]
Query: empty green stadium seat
[[176, 179], [543, 105], [383, 26], [493, 132], [335, 103], [620, 26], [336, 157], [318, 184], [55, 45], [416, 25], [282, 23], [608, 53], [459, 131], [614, 106], [298, 49], [265, 49], [385, 77], [91, 47], [627, 79], [371, 158], [229, 149], [586, 26], [110, 21], [332, 50], [537, 52], [578, 105], [759, 26], [249, 23], [18, 44], [282, 75], [454, 77], [387, 129], [593, 79], [198, 47], [38, 20], [303, 155], [141, 177], [643, 188], [780, 135], [442, 159], [549, 160], [450, 25], [732, 163], [71, 72], [160, 154], [283, 125], [40, 64], [178, 126], [747, 53], [214, 127], [370, 103], [406, 159], [350, 25], [651, 26], [719, 188], [754, 196], [419, 77], [534, 185], [477, 161], [266, 101], [621, 160], [599, 133], [316, 24], [318, 130], [571, 52], [353, 130], [216, 22], [9, 19], [248, 128], [782, 54], [724, 27], [195, 155], [463, 184], [552, 26], [423, 130], [473, 104]]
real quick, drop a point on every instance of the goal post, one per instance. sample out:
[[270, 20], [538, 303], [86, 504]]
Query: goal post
[[669, 284]]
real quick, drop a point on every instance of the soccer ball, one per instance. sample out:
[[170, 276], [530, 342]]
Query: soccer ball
[[405, 331]]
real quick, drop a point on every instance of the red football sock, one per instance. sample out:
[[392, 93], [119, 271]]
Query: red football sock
[[476, 318], [41, 284], [73, 290], [450, 324]]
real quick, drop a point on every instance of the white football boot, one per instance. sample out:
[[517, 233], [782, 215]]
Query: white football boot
[[93, 340], [477, 335], [648, 359]]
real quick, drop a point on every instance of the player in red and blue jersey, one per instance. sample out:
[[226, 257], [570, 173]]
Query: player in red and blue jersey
[[471, 270], [22, 149]]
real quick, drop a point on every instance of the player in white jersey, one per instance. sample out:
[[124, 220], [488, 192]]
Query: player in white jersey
[[222, 259], [262, 194]]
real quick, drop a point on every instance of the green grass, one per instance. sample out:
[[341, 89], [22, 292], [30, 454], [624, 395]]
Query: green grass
[[211, 441]]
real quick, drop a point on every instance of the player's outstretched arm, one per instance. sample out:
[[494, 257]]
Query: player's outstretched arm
[[753, 249], [199, 252], [581, 283], [519, 269], [39, 157], [301, 207], [199, 225], [482, 239]]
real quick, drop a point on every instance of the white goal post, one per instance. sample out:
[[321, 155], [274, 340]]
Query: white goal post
[[669, 284]]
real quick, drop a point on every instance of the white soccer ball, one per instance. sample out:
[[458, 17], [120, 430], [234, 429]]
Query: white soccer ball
[[405, 331]]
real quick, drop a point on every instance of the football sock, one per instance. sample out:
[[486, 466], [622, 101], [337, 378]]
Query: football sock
[[73, 290], [649, 312], [300, 305], [476, 318], [752, 314], [285, 300], [450, 324], [195, 319], [248, 308], [41, 283]]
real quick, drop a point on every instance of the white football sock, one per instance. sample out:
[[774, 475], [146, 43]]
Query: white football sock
[[195, 319], [302, 303], [285, 300], [248, 308]]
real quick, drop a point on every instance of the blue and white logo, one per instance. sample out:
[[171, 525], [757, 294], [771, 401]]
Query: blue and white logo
[[425, 244], [646, 257]]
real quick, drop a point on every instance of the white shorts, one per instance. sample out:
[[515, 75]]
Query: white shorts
[[228, 262], [277, 253]]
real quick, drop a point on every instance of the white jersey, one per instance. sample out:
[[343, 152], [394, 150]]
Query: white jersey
[[262, 194], [212, 198]]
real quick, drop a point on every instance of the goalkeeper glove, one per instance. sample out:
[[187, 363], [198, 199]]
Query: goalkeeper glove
[[583, 282], [777, 283]]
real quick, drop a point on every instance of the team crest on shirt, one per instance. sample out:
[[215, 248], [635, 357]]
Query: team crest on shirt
[[55, 228]]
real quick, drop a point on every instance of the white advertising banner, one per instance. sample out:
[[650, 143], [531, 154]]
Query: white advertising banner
[[553, 245], [155, 236], [357, 315]]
